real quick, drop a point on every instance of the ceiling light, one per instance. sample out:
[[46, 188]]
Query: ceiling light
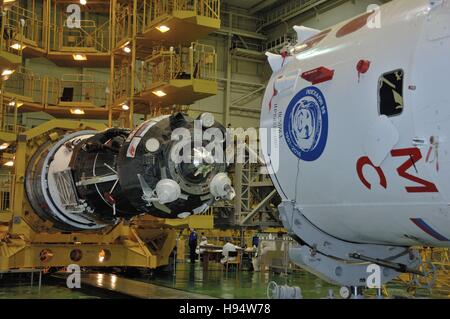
[[7, 72], [159, 93], [163, 28], [126, 49], [79, 57], [9, 163], [125, 107], [4, 146], [14, 103], [76, 111], [83, 2], [17, 46]]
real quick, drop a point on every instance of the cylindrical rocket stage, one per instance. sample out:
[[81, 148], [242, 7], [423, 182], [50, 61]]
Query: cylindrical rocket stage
[[168, 167]]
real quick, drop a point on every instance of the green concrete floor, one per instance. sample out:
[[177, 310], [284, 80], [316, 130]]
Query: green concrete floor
[[46, 292], [214, 283], [247, 284], [238, 285]]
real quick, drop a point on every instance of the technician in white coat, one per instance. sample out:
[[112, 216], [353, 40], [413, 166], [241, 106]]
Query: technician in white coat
[[227, 248], [200, 248]]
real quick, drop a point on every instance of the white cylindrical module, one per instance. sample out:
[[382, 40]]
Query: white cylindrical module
[[51, 189], [364, 126]]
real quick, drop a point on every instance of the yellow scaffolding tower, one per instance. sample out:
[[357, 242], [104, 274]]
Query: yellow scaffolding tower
[[139, 29], [436, 267], [112, 34], [11, 45], [121, 35]]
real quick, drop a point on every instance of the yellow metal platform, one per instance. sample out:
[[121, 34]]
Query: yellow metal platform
[[9, 60], [178, 22], [180, 91], [93, 59], [32, 50], [193, 26]]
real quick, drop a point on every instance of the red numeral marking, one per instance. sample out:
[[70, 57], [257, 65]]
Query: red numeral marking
[[414, 156], [363, 161]]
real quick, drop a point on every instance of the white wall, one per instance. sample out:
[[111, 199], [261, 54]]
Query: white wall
[[242, 71], [324, 19]]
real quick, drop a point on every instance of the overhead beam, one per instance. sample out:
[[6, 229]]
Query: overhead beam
[[242, 33], [262, 5]]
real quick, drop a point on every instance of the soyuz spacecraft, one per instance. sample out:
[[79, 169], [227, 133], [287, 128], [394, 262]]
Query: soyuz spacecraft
[[362, 111], [89, 180]]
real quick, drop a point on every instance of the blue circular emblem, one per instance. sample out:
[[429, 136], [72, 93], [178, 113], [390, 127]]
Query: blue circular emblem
[[306, 124]]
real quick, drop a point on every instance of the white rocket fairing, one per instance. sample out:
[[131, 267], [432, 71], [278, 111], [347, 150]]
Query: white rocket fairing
[[364, 113]]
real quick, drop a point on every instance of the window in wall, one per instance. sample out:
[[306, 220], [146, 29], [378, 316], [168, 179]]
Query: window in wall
[[390, 93]]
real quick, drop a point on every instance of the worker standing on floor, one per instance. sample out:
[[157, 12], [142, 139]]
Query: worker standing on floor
[[201, 247], [192, 245]]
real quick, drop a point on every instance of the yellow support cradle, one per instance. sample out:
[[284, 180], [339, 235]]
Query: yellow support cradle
[[27, 241]]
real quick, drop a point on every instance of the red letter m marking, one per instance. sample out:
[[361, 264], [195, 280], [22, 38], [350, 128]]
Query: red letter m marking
[[414, 156]]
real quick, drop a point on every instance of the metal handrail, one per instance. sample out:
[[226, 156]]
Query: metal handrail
[[196, 62], [89, 36], [206, 8], [48, 90], [23, 82], [8, 118], [28, 21], [6, 191], [84, 87], [123, 29], [11, 33], [155, 10]]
